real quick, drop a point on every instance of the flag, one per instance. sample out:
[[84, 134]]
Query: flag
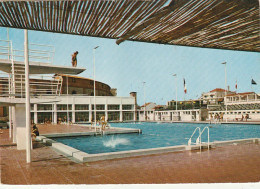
[[253, 82], [185, 89], [236, 85]]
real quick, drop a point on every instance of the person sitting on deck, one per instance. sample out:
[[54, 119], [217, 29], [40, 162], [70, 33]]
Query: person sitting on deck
[[74, 59], [35, 131]]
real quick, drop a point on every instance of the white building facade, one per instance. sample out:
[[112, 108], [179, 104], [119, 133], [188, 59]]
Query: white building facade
[[80, 109]]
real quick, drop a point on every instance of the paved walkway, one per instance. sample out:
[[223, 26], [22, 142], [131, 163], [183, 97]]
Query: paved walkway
[[233, 164]]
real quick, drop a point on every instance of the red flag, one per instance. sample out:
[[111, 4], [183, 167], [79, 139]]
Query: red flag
[[185, 89], [236, 85]]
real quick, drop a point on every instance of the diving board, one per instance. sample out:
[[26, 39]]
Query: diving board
[[41, 68]]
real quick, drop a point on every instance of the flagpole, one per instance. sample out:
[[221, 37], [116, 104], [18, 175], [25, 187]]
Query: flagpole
[[175, 75], [225, 87]]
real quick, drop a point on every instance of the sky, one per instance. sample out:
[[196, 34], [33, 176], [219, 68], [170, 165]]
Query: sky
[[128, 65]]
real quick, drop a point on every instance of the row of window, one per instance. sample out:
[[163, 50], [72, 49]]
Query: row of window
[[47, 117], [81, 107], [238, 113]]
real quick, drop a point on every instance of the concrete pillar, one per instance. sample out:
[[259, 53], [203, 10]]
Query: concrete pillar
[[55, 118], [35, 114], [106, 112], [10, 121], [135, 112], [35, 119], [73, 113], [90, 112], [121, 111], [20, 117], [14, 124]]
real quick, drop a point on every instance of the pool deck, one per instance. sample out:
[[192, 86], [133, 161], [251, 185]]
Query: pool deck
[[236, 163]]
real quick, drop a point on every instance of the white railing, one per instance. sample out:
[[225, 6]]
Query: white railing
[[37, 52], [45, 85], [202, 133], [14, 84], [198, 140]]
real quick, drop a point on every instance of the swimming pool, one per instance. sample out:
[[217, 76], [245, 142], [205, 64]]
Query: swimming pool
[[156, 135]]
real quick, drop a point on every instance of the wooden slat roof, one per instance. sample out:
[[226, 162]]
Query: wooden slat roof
[[221, 24]]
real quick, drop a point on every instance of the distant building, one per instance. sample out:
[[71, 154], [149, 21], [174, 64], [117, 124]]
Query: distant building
[[85, 86], [145, 111], [215, 96]]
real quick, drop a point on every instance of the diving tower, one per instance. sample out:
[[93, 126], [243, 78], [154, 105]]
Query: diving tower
[[15, 68]]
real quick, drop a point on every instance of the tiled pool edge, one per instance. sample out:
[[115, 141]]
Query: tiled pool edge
[[85, 157]]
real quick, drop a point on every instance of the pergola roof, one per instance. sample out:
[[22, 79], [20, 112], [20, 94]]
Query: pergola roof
[[221, 24]]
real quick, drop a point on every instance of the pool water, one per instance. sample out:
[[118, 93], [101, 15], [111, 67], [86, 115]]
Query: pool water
[[158, 135]]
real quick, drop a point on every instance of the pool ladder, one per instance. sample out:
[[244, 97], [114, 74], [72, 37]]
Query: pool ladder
[[198, 140]]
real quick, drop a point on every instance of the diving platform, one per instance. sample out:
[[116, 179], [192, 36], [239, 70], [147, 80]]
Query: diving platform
[[40, 68]]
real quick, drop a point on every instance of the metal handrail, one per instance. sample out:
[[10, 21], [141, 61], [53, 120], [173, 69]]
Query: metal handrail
[[189, 141], [202, 133], [198, 140]]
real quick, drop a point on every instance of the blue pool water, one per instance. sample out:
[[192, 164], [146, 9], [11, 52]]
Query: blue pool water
[[157, 135]]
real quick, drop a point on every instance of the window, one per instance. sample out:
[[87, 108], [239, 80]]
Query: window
[[113, 107], [62, 117], [81, 106], [128, 116], [81, 116], [127, 107], [99, 107], [63, 107], [44, 117], [113, 116], [44, 107]]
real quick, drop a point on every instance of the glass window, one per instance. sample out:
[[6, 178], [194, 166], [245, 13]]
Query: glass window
[[127, 107], [99, 107], [44, 107], [99, 115], [113, 116], [44, 117], [127, 116], [81, 116], [62, 117], [81, 106], [63, 106], [113, 107]]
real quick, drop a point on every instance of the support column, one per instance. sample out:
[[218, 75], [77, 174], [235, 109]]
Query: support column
[[20, 117], [121, 112], [14, 124], [134, 112], [73, 113], [90, 111], [27, 99], [55, 119], [10, 121], [106, 113], [35, 114]]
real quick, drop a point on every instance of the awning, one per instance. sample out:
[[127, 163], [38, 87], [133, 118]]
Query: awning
[[220, 24]]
